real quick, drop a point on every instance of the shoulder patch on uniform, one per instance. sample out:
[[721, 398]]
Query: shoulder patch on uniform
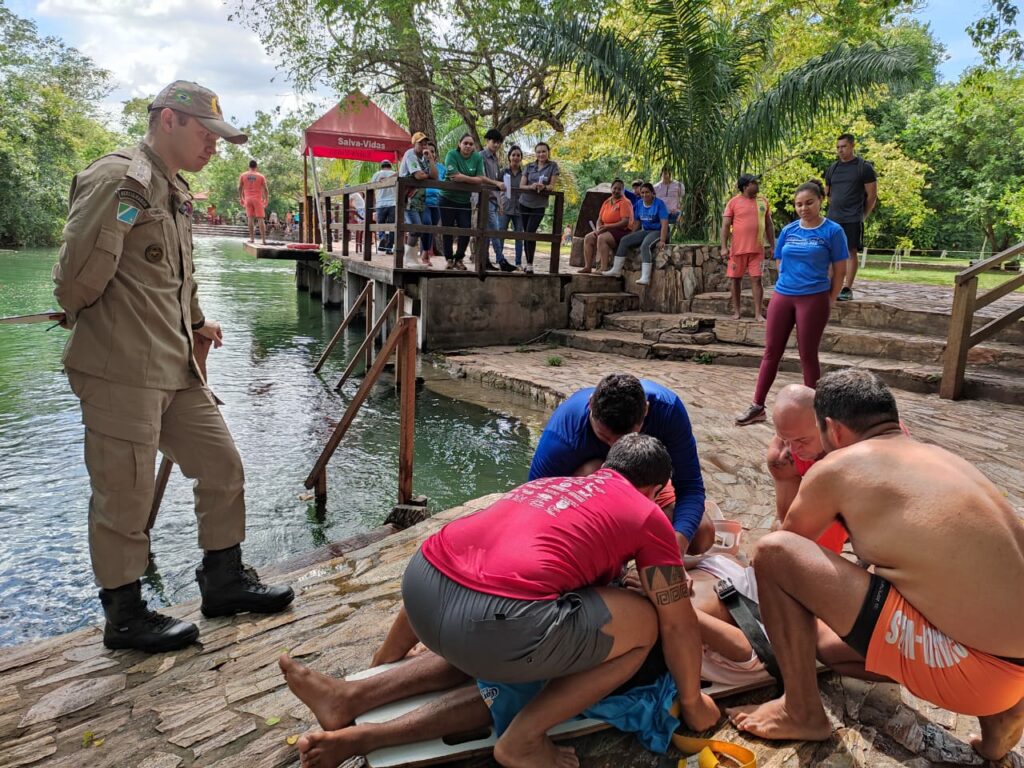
[[127, 213], [140, 169], [131, 195]]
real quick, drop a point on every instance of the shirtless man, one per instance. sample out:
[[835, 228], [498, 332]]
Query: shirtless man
[[941, 614], [793, 451]]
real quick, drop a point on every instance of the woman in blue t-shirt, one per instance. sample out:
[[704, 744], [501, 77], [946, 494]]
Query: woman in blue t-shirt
[[804, 293], [650, 217]]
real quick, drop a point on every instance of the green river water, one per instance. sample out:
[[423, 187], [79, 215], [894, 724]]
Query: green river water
[[279, 413]]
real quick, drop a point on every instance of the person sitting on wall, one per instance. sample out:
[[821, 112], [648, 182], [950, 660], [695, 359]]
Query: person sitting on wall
[[940, 613], [613, 223], [583, 429], [650, 220]]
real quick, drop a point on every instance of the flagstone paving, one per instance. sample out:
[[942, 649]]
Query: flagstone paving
[[67, 702]]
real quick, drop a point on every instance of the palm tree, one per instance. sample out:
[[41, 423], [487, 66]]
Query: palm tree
[[689, 86]]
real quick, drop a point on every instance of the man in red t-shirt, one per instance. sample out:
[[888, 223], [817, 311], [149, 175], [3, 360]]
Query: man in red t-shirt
[[254, 195], [793, 451], [519, 592]]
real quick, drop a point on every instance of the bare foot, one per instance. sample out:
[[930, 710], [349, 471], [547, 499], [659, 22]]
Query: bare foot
[[328, 749], [517, 752], [759, 318], [771, 720], [999, 733], [326, 697], [735, 315]]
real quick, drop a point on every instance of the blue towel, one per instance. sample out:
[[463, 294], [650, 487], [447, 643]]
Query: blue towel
[[642, 710]]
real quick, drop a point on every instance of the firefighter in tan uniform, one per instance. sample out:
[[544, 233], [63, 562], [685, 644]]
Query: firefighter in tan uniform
[[125, 282]]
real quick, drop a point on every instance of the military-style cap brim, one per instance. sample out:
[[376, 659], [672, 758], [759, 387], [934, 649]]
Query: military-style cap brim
[[225, 130]]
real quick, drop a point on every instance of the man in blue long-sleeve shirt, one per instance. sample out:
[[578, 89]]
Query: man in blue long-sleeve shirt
[[582, 429]]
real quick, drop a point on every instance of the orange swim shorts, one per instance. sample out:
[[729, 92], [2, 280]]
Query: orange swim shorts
[[907, 648], [254, 207], [745, 264]]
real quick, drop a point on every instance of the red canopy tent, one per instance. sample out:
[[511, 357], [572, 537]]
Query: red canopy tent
[[353, 129], [356, 129]]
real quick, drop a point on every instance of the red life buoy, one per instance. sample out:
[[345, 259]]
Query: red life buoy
[[304, 246]]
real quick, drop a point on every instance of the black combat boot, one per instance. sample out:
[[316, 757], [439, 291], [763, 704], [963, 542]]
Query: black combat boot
[[229, 586], [130, 624]]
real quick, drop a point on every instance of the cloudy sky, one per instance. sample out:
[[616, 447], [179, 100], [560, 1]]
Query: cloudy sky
[[148, 43]]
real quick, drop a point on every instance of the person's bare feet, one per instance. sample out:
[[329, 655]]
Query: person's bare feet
[[772, 720], [328, 749], [999, 733], [517, 752], [326, 697], [735, 314], [586, 271], [759, 318]]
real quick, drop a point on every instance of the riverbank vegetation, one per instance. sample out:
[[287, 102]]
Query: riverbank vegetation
[[707, 87]]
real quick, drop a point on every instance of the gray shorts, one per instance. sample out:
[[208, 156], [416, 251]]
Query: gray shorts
[[500, 638]]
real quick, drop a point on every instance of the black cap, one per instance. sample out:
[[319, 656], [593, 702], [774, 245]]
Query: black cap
[[385, 163], [745, 179]]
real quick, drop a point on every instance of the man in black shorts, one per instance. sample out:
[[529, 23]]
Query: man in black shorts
[[852, 190]]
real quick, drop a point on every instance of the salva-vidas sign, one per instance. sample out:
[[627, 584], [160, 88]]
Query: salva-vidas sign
[[360, 143]]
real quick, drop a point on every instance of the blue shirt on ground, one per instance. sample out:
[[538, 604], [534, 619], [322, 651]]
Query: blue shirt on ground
[[650, 216], [805, 256], [569, 441]]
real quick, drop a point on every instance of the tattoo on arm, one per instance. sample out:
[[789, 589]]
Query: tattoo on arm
[[667, 583]]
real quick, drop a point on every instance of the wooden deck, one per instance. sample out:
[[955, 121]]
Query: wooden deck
[[281, 251]]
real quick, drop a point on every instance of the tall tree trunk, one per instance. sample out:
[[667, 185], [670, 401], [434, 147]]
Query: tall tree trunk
[[418, 107]]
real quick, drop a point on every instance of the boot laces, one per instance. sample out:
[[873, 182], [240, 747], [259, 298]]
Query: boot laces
[[157, 620], [249, 577]]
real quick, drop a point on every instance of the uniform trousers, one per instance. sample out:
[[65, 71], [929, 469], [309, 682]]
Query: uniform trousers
[[125, 426]]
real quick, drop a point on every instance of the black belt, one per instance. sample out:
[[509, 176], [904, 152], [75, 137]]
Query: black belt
[[745, 613]]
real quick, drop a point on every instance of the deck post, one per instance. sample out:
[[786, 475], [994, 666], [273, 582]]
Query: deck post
[[958, 342], [329, 245], [320, 491], [407, 395], [399, 225], [369, 238], [480, 243], [344, 224], [556, 242]]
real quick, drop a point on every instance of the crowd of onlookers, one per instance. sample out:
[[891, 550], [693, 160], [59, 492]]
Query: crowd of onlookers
[[817, 253]]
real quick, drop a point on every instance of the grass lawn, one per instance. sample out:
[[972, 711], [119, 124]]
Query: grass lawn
[[927, 277]]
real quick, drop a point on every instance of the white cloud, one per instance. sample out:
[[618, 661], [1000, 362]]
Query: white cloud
[[147, 44]]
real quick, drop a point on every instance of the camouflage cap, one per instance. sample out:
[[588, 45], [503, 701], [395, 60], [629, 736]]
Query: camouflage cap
[[202, 104]]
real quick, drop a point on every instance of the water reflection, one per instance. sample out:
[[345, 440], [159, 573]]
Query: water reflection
[[279, 413]]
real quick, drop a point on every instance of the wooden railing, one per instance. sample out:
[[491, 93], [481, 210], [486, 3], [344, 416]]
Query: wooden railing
[[364, 303], [966, 302], [402, 340], [336, 220]]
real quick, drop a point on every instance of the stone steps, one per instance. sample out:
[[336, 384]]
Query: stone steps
[[697, 328], [987, 383], [878, 315]]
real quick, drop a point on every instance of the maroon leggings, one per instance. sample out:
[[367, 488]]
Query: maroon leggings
[[809, 314]]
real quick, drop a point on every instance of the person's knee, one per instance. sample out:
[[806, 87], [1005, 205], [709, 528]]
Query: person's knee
[[776, 552]]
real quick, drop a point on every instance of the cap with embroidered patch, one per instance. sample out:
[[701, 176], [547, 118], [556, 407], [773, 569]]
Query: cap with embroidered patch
[[202, 104]]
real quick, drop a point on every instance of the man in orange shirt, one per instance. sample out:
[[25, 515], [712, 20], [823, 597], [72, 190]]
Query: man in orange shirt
[[749, 222], [254, 195]]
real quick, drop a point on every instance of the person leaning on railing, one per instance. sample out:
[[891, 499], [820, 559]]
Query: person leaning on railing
[[466, 166], [539, 176], [511, 178]]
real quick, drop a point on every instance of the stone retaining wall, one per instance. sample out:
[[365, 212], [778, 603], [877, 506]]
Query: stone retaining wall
[[680, 273]]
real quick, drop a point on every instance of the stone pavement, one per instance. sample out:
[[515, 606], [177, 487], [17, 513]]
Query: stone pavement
[[69, 703]]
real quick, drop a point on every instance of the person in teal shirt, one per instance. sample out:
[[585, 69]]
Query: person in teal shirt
[[466, 166]]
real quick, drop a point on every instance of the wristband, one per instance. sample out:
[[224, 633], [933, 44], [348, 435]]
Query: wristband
[[200, 324]]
